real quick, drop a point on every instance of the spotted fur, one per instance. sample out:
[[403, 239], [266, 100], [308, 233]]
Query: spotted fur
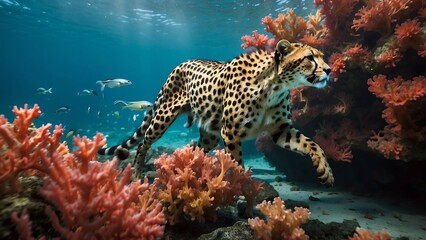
[[237, 100]]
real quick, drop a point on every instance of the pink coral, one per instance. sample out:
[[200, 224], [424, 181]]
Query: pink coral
[[92, 202], [22, 145], [281, 223], [193, 184], [257, 41]]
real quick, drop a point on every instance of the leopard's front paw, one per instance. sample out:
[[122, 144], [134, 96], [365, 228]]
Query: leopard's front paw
[[324, 172]]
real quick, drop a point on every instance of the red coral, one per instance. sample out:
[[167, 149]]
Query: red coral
[[258, 41], [379, 16], [388, 143], [281, 223], [333, 150], [409, 35], [408, 29], [337, 14], [389, 57], [358, 56], [403, 114], [193, 184], [397, 92], [338, 65], [92, 202]]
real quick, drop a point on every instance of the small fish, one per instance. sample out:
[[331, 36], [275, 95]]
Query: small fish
[[87, 92], [89, 110], [113, 83], [120, 103], [63, 109], [139, 105], [99, 113], [44, 91], [70, 133], [135, 116], [116, 114]]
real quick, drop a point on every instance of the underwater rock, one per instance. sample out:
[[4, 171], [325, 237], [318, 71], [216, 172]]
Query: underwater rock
[[239, 231], [317, 230], [268, 193]]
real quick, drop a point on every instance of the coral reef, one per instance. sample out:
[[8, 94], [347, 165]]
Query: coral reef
[[281, 223], [367, 42], [93, 199], [193, 184]]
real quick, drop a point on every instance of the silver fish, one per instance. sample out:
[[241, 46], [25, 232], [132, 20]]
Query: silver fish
[[89, 110], [44, 91], [138, 105], [113, 83], [87, 92], [63, 109]]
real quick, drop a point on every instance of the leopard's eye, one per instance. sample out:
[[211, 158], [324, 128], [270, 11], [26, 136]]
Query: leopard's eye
[[310, 58]]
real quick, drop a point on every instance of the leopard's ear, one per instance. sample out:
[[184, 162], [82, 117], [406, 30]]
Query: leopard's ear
[[281, 50]]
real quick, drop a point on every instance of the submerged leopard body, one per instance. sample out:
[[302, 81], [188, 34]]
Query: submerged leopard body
[[237, 100]]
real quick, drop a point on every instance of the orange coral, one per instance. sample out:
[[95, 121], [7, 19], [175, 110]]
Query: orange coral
[[194, 184], [287, 26], [257, 41], [364, 234], [281, 223]]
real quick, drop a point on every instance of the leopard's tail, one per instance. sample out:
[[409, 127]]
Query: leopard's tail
[[122, 150]]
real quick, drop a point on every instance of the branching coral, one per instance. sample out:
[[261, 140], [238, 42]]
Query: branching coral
[[379, 15], [281, 223], [364, 234], [194, 184], [404, 100], [94, 199], [257, 41], [287, 26]]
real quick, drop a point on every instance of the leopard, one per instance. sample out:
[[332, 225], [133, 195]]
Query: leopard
[[234, 101]]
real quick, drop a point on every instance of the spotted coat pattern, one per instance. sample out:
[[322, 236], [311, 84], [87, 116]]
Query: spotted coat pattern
[[237, 100]]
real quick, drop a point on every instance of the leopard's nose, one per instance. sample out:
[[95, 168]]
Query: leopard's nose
[[327, 70]]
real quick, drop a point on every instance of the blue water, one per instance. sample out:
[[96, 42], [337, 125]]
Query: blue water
[[69, 45]]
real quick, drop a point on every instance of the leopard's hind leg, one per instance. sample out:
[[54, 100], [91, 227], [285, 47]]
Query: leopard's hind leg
[[207, 141], [163, 117]]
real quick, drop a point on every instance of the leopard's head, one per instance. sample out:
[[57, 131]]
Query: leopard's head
[[301, 65]]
